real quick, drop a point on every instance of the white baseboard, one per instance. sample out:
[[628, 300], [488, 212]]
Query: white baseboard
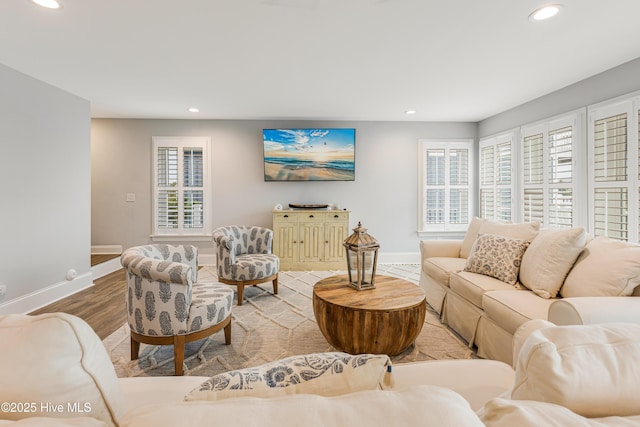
[[106, 249], [33, 301], [105, 268]]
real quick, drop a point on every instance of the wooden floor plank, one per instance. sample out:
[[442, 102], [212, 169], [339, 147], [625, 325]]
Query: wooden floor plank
[[102, 306]]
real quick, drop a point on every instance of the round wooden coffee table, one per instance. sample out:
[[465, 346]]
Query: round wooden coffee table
[[383, 320]]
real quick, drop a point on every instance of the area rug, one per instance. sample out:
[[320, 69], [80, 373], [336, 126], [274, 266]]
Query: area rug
[[269, 327]]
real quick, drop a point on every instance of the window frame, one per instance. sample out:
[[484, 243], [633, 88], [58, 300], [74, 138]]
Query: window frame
[[496, 186], [182, 233], [445, 228]]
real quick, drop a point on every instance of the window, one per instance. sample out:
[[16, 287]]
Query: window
[[550, 165], [445, 185], [180, 170], [496, 177], [614, 192]]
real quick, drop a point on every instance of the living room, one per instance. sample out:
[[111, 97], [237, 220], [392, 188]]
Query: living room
[[88, 163]]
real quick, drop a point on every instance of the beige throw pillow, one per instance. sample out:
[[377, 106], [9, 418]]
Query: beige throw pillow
[[470, 237], [326, 374], [497, 256], [606, 267], [592, 370], [549, 258]]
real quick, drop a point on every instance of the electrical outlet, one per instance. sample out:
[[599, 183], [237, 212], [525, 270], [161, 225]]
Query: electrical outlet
[[3, 292]]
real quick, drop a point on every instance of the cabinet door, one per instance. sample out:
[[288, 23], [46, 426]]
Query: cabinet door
[[335, 232], [285, 241], [311, 241]]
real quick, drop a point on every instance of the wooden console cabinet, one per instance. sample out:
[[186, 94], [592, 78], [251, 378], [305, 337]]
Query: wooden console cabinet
[[309, 239]]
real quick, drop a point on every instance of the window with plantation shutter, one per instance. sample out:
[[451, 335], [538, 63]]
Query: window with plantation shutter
[[496, 177], [446, 198], [549, 172], [180, 180], [614, 166]]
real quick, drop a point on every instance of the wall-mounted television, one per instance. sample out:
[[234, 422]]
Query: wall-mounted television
[[309, 154]]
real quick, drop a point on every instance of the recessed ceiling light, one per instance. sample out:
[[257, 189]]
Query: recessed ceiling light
[[49, 4], [545, 12], [409, 112], [193, 110]]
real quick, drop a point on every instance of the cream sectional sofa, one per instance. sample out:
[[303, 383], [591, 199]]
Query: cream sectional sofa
[[562, 276], [54, 371]]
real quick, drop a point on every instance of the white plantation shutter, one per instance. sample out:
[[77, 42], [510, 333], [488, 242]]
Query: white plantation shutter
[[560, 155], [445, 185], [614, 169], [533, 155], [496, 177], [533, 204], [180, 171]]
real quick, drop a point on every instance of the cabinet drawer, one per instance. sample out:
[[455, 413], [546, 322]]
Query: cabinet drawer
[[285, 217], [337, 216], [311, 217]]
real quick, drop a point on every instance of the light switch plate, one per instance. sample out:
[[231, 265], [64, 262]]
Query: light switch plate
[[131, 197]]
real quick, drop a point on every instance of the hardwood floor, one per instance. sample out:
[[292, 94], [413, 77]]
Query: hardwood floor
[[100, 258], [102, 306]]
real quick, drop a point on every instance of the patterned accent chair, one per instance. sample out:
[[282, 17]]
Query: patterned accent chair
[[244, 257], [165, 304]]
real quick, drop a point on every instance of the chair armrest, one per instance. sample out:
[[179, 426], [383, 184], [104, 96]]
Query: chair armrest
[[591, 310], [225, 248], [523, 332], [158, 270], [440, 248]]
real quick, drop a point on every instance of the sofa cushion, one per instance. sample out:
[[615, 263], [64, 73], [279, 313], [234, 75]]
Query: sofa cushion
[[471, 236], [523, 231], [58, 359], [549, 258], [327, 374], [417, 406], [440, 269], [497, 256], [606, 267], [472, 286], [592, 370], [501, 412], [510, 309]]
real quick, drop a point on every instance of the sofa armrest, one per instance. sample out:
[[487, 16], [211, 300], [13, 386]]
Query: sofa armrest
[[440, 248], [523, 332], [591, 310]]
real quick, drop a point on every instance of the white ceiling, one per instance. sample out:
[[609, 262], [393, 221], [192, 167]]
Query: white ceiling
[[451, 60]]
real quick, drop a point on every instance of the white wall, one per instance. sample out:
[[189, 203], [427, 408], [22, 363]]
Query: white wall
[[45, 175], [383, 195], [608, 84]]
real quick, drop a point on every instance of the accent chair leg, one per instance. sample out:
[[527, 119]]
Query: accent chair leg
[[275, 285], [135, 349], [240, 286], [178, 353], [227, 333]]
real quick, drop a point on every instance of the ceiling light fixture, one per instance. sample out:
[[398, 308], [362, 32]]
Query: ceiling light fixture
[[545, 12], [49, 4], [193, 110], [409, 112]]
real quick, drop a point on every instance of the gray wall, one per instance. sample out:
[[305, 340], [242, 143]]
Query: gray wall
[[45, 172], [615, 82], [383, 195]]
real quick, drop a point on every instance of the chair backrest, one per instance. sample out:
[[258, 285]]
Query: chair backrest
[[236, 240], [159, 282]]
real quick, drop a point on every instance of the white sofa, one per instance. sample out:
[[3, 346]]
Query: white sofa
[[564, 277], [54, 371]]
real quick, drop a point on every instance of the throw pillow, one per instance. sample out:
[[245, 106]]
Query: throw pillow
[[549, 258], [497, 256], [471, 236], [592, 370], [606, 267], [57, 359], [326, 374]]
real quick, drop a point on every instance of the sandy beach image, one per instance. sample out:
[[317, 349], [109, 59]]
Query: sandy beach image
[[309, 154]]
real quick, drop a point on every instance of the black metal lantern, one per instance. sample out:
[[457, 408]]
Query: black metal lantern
[[362, 256]]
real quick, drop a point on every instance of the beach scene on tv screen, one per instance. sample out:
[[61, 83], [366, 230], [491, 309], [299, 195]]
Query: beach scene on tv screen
[[309, 154]]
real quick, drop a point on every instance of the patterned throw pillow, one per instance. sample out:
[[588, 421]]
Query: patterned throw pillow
[[497, 256], [326, 374]]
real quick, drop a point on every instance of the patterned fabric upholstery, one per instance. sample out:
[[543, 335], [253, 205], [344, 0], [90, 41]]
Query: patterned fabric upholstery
[[162, 297], [244, 253]]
